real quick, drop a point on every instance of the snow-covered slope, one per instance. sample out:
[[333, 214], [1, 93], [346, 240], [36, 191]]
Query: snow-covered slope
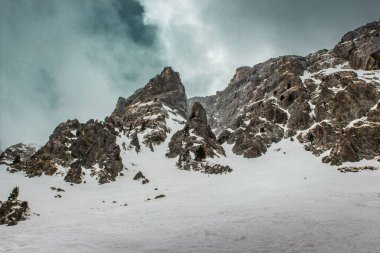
[[286, 201]]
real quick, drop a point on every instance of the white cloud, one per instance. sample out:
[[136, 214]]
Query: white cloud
[[190, 45]]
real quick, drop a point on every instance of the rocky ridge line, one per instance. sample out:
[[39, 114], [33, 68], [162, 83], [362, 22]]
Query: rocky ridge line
[[328, 99]]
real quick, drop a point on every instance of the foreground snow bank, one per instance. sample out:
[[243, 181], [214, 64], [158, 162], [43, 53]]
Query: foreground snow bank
[[284, 201]]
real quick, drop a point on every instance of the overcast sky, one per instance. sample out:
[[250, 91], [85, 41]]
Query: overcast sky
[[73, 59]]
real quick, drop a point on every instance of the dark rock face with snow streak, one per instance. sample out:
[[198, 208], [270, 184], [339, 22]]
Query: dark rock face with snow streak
[[78, 148], [165, 87], [196, 133], [261, 105], [146, 111], [147, 120], [342, 107], [359, 140], [361, 47], [196, 142], [17, 153]]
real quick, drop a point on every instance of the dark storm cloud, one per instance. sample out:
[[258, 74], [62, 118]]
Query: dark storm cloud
[[288, 26], [131, 13], [73, 58], [69, 59], [122, 19]]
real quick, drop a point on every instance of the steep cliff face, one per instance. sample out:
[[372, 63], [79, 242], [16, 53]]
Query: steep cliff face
[[261, 105], [325, 99], [361, 47]]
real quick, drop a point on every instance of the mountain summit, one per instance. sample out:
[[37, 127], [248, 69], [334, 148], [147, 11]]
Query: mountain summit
[[165, 87]]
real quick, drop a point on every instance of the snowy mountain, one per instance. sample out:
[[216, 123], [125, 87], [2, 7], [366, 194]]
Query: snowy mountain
[[18, 152], [76, 149], [229, 172], [329, 100]]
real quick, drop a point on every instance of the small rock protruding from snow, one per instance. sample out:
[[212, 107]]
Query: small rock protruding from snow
[[139, 176], [13, 210]]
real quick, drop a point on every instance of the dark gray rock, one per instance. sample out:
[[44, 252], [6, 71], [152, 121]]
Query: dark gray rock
[[259, 105], [196, 142], [356, 169], [361, 47], [79, 148], [165, 87], [13, 210], [139, 176], [144, 112]]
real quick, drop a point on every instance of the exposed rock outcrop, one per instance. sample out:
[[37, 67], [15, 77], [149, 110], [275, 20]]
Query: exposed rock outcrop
[[140, 176], [17, 153], [342, 98], [356, 169], [359, 140], [13, 210], [361, 47], [196, 142], [75, 148], [165, 87], [261, 105], [146, 111]]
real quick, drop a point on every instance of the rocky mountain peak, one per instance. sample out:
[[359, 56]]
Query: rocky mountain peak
[[240, 73], [168, 74], [361, 47], [76, 149], [198, 113], [146, 111], [165, 87], [17, 153]]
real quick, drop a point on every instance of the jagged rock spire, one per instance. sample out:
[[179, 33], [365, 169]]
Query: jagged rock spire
[[196, 142], [195, 133], [166, 87], [144, 112]]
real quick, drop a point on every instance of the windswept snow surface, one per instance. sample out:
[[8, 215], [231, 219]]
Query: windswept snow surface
[[279, 202]]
